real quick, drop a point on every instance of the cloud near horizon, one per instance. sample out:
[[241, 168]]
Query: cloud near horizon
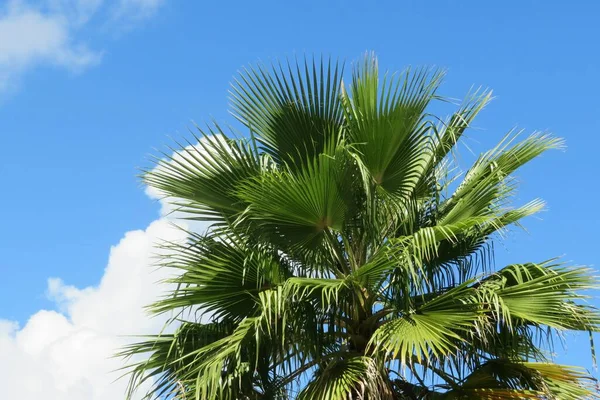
[[66, 354]]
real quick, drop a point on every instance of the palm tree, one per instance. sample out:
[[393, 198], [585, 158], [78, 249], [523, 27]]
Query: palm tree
[[348, 258]]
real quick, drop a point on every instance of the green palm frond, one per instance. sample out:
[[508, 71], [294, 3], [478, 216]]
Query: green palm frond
[[294, 110], [451, 131], [388, 125], [445, 137], [410, 258], [169, 353], [352, 378], [505, 379], [429, 332], [201, 179], [349, 258], [300, 208], [487, 184], [224, 276], [327, 291], [542, 294]]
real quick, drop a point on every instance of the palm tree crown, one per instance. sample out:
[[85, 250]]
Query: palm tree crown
[[348, 258]]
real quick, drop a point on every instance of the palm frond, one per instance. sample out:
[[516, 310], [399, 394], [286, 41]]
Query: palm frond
[[505, 379], [341, 265], [352, 378], [487, 185], [387, 124], [222, 277], [447, 135], [201, 179], [294, 110], [429, 332], [542, 294], [301, 210]]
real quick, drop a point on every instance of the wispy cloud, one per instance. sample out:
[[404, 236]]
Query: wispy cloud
[[137, 8], [49, 33]]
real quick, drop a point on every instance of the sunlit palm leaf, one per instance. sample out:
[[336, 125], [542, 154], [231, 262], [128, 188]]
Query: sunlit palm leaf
[[221, 277], [386, 122], [429, 332], [353, 378], [542, 294], [505, 379], [294, 110], [202, 179]]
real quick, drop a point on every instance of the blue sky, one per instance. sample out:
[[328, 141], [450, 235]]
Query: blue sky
[[89, 87]]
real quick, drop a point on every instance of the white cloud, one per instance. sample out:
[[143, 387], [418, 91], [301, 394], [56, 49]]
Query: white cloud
[[49, 32], [67, 355], [29, 37]]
